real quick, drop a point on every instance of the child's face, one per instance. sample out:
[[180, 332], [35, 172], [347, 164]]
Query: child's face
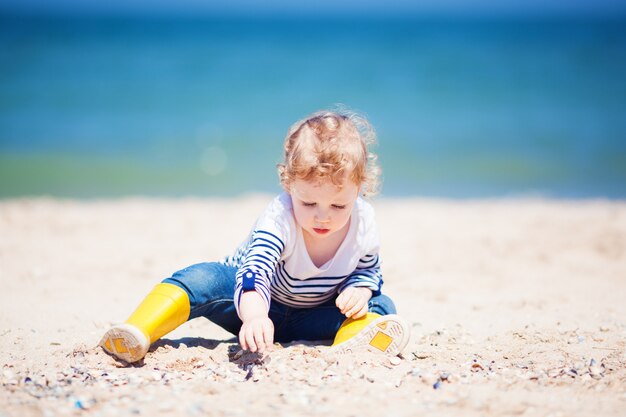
[[322, 208]]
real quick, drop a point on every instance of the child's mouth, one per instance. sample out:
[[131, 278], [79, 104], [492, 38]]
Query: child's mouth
[[321, 231]]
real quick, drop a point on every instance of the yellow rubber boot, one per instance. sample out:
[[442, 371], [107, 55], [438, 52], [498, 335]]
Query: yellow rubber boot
[[165, 308], [388, 334]]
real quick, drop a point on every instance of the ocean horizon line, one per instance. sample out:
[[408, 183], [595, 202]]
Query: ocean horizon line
[[277, 15]]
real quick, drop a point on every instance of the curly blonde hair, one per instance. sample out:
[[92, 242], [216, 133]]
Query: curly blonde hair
[[330, 145]]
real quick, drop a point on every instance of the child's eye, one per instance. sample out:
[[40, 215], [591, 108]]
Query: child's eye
[[308, 204], [339, 206]]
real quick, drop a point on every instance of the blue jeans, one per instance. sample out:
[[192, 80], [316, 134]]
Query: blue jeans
[[211, 287]]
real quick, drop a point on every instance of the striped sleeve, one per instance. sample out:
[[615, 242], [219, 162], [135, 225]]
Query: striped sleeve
[[367, 274], [256, 272]]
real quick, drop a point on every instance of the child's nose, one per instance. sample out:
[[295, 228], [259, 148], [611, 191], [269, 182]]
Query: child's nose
[[322, 217]]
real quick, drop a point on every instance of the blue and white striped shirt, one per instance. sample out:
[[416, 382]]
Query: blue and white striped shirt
[[274, 262]]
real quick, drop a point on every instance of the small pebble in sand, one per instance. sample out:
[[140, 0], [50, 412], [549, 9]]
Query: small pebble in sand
[[477, 367], [415, 372], [417, 355], [596, 372], [394, 360]]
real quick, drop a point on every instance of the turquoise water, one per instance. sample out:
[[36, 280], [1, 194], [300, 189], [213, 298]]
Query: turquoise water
[[177, 106]]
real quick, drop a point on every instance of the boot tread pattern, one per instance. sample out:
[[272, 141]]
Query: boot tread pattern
[[388, 334], [123, 344]]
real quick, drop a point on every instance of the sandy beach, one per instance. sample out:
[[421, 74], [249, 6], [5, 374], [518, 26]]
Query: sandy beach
[[517, 307]]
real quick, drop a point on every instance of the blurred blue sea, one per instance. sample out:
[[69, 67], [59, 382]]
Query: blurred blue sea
[[176, 106]]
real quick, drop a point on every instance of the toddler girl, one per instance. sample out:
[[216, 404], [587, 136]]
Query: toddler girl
[[309, 270]]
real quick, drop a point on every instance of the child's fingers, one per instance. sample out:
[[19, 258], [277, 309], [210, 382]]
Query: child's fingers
[[242, 339], [258, 339], [359, 309], [250, 339], [354, 309], [360, 313], [350, 303], [268, 335], [349, 310], [252, 347], [341, 300]]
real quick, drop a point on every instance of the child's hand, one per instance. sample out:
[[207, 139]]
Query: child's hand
[[257, 334], [257, 331], [353, 301]]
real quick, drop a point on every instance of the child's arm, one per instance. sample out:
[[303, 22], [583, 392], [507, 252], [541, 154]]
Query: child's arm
[[357, 290], [257, 331], [257, 269], [252, 290]]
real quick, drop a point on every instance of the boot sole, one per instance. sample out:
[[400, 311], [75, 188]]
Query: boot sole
[[388, 334], [125, 342]]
